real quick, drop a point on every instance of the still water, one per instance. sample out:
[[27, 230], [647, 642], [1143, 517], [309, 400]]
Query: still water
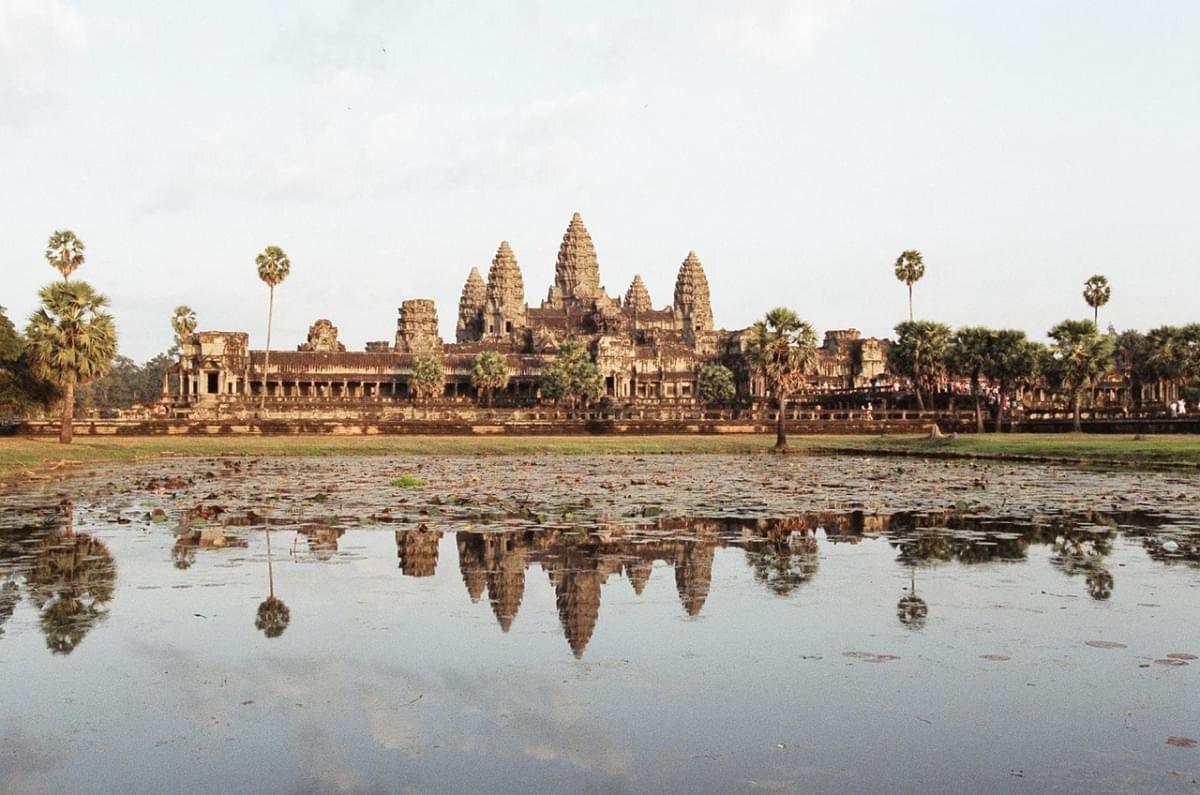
[[599, 624]]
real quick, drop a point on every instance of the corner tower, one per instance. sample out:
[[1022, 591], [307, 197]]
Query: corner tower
[[470, 308], [692, 302]]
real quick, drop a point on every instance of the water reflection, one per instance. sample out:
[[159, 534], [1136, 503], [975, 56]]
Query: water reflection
[[273, 615], [912, 610], [67, 577], [418, 551]]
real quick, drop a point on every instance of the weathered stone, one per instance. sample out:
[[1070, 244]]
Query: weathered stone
[[577, 272], [648, 358], [504, 306], [637, 297], [470, 308], [322, 338], [417, 328], [692, 301]]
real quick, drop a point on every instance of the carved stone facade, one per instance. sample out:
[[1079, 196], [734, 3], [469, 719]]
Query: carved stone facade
[[648, 358], [417, 328], [322, 338]]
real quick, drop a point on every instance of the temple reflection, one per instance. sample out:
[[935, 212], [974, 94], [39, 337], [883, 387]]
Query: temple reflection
[[418, 551]]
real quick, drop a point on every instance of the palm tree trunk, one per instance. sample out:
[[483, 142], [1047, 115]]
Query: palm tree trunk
[[262, 398], [1077, 424], [270, 571], [978, 407], [781, 426], [1096, 317], [1000, 407], [920, 401], [910, 310], [66, 429]]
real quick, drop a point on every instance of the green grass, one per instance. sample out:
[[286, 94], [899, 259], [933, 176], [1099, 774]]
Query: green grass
[[18, 453], [408, 482]]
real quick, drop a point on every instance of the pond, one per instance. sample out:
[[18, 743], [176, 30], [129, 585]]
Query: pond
[[600, 624]]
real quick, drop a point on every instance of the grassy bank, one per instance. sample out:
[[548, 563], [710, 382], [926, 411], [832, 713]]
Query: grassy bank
[[17, 454]]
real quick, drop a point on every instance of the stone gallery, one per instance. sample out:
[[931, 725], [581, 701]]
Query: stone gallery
[[647, 357]]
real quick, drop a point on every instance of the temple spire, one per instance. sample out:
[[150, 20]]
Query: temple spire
[[504, 308], [692, 301], [577, 272], [637, 297], [470, 308]]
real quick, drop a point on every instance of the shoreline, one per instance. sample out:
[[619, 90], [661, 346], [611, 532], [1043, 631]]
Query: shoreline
[[22, 458]]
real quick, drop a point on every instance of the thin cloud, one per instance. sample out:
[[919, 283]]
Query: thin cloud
[[772, 31], [36, 37]]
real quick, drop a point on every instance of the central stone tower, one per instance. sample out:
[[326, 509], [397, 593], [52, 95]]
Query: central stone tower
[[576, 273]]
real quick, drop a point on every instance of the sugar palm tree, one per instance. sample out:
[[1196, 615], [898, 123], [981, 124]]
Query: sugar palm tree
[[71, 340], [910, 267], [782, 348], [64, 252], [1078, 358], [919, 353], [183, 323], [1096, 291], [273, 268]]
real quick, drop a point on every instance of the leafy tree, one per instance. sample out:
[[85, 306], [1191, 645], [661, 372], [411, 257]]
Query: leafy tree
[[910, 267], [489, 372], [1012, 360], [715, 383], [428, 377], [273, 267], [783, 349], [1170, 355], [919, 353], [572, 376], [21, 391], [968, 355], [1096, 291], [126, 383], [183, 323], [1078, 358], [1131, 353], [64, 252], [71, 340]]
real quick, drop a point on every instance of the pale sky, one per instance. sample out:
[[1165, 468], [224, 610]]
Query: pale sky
[[798, 147]]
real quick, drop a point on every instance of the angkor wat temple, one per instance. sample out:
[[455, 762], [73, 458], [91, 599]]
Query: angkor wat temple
[[648, 357]]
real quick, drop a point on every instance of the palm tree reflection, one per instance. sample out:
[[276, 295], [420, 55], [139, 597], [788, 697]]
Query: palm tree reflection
[[70, 583], [912, 609], [273, 615]]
